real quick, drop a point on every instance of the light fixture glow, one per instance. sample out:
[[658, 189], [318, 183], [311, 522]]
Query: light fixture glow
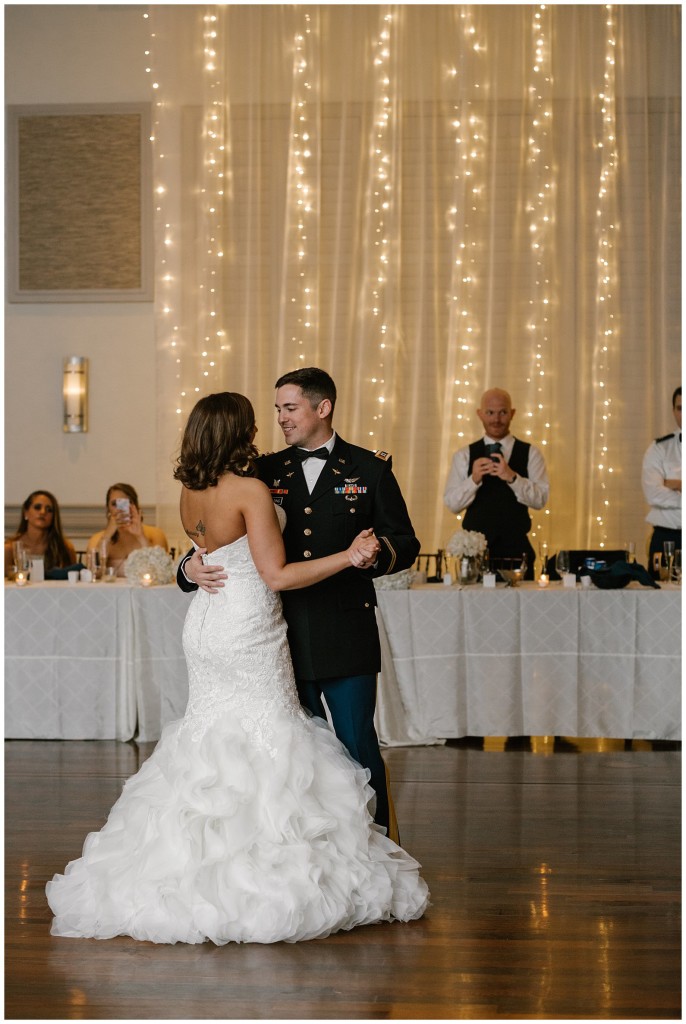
[[75, 395]]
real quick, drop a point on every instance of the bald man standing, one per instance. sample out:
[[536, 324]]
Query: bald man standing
[[497, 479]]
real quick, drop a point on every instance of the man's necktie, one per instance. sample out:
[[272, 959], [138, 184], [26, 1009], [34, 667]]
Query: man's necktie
[[318, 453], [494, 449]]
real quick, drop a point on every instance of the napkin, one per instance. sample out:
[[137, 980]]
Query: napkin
[[619, 574]]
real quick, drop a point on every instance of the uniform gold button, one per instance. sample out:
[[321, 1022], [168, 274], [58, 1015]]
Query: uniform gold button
[[366, 604], [308, 511], [352, 510], [308, 533], [307, 554]]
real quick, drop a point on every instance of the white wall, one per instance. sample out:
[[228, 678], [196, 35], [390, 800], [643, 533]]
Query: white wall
[[78, 54]]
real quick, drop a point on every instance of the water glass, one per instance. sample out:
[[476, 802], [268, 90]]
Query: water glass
[[630, 547], [94, 565], [562, 562], [20, 556]]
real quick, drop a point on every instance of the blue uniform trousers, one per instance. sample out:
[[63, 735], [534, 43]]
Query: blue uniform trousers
[[351, 701]]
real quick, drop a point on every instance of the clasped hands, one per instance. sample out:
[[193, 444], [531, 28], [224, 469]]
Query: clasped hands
[[364, 550], [492, 466]]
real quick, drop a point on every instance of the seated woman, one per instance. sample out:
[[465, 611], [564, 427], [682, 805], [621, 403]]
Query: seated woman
[[125, 531], [40, 533]]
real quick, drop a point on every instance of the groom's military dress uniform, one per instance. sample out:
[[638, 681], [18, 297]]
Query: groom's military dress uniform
[[332, 631]]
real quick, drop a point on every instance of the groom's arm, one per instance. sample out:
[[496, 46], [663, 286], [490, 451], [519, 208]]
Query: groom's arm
[[392, 526], [181, 579], [193, 573]]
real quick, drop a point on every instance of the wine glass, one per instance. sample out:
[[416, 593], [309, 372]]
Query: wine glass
[[668, 548], [562, 562], [677, 567]]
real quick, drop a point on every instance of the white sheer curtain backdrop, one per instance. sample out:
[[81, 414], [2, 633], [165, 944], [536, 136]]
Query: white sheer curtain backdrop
[[427, 200]]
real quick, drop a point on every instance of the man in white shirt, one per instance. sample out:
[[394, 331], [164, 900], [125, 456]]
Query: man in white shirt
[[661, 480], [497, 479]]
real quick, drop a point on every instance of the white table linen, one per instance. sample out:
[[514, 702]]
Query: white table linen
[[529, 661], [105, 661], [160, 673], [68, 662], [93, 660]]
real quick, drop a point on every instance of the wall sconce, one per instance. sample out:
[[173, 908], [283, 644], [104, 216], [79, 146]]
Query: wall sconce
[[75, 395]]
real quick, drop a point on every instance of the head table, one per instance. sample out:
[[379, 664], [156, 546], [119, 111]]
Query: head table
[[105, 661], [517, 661]]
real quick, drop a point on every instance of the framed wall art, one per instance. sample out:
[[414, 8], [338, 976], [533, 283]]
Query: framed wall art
[[79, 203]]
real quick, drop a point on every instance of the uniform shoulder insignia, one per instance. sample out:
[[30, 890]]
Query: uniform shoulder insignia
[[382, 455], [667, 437]]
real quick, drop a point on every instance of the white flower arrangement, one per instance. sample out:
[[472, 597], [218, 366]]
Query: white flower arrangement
[[402, 580], [152, 563], [466, 543]]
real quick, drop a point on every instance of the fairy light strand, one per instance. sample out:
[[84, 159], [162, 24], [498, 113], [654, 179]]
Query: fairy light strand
[[300, 311], [606, 340], [171, 342], [540, 212], [211, 332], [468, 132], [382, 165]]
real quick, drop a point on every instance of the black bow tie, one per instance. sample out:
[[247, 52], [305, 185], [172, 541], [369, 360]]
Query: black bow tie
[[318, 453]]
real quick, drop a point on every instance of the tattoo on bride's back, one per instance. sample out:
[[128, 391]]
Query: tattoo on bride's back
[[199, 530]]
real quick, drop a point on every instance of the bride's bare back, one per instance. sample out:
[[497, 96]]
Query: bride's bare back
[[214, 517]]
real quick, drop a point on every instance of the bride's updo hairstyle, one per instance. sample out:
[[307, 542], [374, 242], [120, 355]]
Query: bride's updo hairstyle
[[217, 439]]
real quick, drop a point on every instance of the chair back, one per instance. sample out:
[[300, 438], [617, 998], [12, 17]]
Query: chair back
[[433, 565]]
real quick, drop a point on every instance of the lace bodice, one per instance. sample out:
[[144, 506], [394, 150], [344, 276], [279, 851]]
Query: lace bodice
[[234, 662]]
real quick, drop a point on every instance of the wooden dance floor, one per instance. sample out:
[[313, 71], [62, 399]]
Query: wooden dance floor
[[555, 881]]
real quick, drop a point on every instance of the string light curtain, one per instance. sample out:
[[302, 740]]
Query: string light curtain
[[427, 200]]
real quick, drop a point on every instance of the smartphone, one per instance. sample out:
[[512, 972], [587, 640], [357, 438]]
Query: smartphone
[[123, 505]]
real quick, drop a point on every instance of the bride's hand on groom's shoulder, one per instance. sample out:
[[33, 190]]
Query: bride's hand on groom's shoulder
[[207, 577]]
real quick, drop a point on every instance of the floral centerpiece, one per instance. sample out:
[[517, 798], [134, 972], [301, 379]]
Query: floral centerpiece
[[149, 567], [466, 547], [466, 543]]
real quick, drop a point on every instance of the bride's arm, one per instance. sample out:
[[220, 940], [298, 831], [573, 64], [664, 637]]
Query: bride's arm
[[267, 550]]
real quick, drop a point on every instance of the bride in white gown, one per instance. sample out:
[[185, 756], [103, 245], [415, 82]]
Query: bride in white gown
[[250, 821]]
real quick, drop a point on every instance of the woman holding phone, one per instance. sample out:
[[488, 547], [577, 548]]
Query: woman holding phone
[[125, 531]]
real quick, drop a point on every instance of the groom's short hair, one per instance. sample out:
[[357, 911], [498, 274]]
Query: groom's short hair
[[315, 384]]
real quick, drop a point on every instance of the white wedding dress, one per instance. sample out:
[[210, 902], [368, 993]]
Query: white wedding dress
[[249, 822]]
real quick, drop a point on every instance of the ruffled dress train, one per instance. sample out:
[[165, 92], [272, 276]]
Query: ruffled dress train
[[250, 820]]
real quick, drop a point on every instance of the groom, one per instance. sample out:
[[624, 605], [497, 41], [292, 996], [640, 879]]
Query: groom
[[330, 491]]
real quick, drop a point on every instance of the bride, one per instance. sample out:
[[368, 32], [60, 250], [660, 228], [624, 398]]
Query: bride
[[250, 821]]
